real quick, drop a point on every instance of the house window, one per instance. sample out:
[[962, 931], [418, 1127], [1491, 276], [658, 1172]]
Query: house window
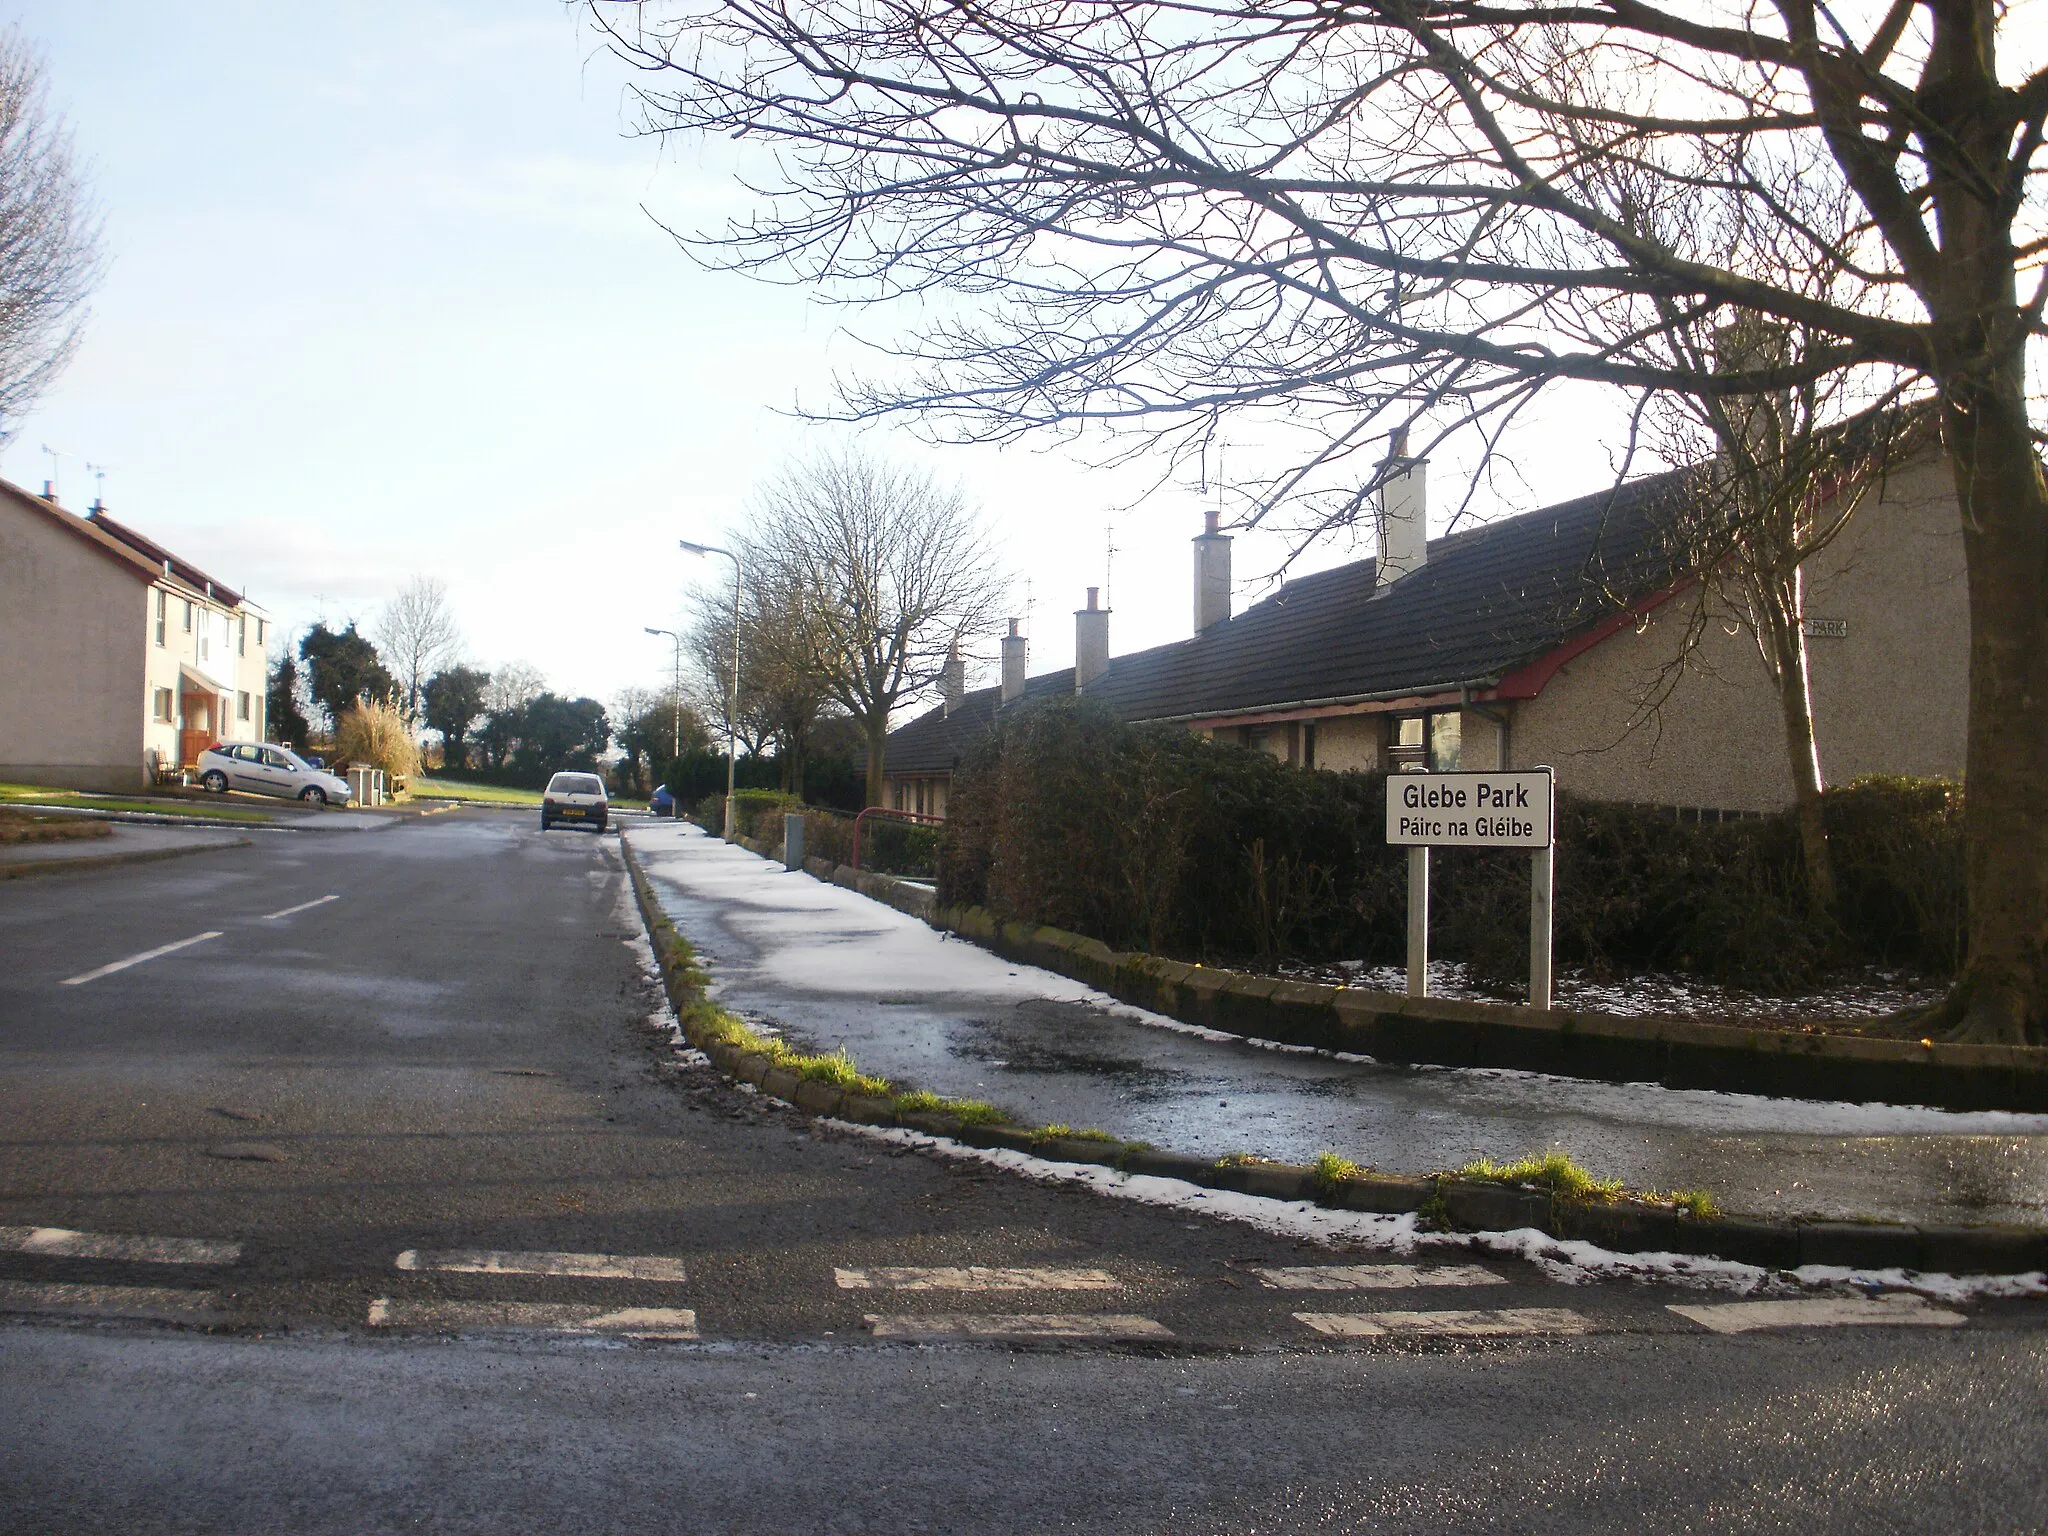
[[241, 706], [242, 646], [188, 616], [259, 634], [1308, 744], [163, 703], [1433, 741], [160, 600]]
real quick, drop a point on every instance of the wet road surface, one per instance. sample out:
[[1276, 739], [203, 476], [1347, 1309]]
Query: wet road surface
[[356, 1185], [835, 969]]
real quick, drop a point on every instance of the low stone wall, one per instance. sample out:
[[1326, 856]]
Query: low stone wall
[[1388, 1026]]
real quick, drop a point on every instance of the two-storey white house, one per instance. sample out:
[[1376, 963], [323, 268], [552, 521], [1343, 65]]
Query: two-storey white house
[[118, 659]]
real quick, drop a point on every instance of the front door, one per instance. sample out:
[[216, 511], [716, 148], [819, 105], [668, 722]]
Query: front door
[[195, 727]]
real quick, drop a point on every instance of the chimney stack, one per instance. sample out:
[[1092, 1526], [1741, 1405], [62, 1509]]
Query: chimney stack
[[953, 680], [1404, 514], [1091, 641], [1016, 658], [1212, 574]]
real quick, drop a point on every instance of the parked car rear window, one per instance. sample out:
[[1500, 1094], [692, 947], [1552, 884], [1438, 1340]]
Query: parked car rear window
[[575, 784]]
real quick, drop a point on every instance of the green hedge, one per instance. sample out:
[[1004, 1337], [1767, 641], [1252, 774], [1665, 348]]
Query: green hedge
[[1149, 837]]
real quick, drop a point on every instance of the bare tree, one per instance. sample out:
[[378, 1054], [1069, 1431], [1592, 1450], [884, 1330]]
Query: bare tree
[[1776, 481], [874, 574], [417, 635], [707, 649], [1160, 214], [49, 237]]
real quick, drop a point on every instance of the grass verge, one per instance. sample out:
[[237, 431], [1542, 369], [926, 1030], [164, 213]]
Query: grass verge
[[424, 788], [42, 794], [1553, 1171], [21, 827]]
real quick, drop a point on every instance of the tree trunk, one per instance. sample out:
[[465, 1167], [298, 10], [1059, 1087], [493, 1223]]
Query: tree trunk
[[1795, 701], [878, 737], [2004, 502]]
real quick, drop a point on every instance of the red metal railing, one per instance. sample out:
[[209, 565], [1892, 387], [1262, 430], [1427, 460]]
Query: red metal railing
[[887, 815]]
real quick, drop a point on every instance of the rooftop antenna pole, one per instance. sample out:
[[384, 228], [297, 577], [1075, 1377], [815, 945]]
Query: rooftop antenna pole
[[56, 470], [1108, 559], [99, 495]]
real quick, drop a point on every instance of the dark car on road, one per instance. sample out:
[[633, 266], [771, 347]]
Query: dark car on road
[[577, 799], [662, 802]]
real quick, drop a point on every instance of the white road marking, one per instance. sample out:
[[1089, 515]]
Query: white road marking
[[585, 1266], [61, 1242], [548, 1316], [959, 1325], [108, 1300], [1823, 1312], [304, 906], [148, 954], [1459, 1324], [973, 1277], [1375, 1277]]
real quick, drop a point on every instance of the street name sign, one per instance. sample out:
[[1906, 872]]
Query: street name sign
[[1470, 810]]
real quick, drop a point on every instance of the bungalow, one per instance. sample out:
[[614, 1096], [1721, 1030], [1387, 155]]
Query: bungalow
[[118, 660], [1569, 636]]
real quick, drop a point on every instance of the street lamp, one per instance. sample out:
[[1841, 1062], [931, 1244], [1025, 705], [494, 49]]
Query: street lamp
[[678, 750], [732, 704]]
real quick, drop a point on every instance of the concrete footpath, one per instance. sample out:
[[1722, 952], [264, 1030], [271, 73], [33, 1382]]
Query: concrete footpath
[[835, 969]]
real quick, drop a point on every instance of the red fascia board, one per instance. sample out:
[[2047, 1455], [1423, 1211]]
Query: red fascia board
[[1528, 681]]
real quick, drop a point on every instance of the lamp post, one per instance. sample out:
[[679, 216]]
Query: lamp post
[[676, 751], [732, 703]]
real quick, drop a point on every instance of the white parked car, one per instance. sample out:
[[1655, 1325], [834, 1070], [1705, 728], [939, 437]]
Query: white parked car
[[263, 769], [574, 797]]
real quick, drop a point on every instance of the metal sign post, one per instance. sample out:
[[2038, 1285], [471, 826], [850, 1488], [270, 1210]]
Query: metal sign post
[[1476, 810]]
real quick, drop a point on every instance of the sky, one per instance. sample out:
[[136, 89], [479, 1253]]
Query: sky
[[386, 297]]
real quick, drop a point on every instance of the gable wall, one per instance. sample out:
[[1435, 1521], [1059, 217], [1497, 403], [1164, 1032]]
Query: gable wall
[[72, 699], [1890, 698]]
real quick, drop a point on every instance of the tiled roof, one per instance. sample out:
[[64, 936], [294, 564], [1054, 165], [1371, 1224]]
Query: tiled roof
[[162, 558], [935, 741], [1489, 600]]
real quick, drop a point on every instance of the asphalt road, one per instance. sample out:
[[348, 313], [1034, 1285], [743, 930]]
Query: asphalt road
[[276, 1206]]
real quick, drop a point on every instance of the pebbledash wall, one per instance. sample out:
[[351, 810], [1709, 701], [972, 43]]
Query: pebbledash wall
[[1890, 695], [71, 645]]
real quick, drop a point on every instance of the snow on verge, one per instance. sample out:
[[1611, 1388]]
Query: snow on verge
[[1566, 1260]]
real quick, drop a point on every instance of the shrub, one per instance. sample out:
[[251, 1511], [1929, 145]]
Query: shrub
[[753, 808], [375, 735], [1151, 838]]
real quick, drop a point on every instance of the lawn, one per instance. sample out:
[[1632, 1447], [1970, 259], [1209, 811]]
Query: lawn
[[42, 794], [424, 788]]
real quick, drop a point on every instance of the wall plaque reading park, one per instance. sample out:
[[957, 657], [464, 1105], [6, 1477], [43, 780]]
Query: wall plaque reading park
[[1475, 810]]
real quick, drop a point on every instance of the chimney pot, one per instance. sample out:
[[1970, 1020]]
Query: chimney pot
[[1403, 516], [1091, 642], [953, 680], [1016, 659], [1212, 574]]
